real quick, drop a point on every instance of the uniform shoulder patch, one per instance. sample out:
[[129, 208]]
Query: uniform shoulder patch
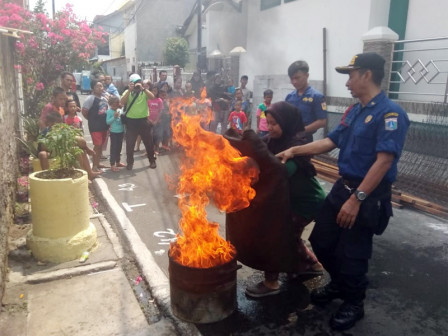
[[391, 124], [324, 106]]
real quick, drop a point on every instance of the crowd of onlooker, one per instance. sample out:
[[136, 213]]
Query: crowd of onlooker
[[141, 113]]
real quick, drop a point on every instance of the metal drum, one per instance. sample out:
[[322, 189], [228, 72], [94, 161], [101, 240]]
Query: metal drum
[[203, 295]]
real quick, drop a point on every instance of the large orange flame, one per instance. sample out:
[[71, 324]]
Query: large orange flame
[[212, 171]]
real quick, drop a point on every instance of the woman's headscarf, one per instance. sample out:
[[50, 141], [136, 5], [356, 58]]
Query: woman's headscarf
[[290, 120]]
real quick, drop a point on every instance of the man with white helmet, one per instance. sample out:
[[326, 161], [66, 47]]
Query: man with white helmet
[[134, 100]]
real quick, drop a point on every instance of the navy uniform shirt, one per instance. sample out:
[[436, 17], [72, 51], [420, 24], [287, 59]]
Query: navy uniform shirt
[[311, 104], [380, 126]]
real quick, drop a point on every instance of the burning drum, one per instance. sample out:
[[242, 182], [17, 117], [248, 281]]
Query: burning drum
[[203, 295]]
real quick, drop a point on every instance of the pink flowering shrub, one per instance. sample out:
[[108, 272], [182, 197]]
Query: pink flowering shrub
[[65, 43]]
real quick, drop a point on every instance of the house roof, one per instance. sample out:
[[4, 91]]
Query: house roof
[[13, 32], [98, 18], [235, 4]]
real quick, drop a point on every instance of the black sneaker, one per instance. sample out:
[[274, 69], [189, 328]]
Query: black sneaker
[[152, 165], [325, 294], [347, 315], [129, 166]]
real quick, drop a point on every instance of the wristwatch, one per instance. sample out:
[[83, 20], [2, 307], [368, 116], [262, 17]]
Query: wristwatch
[[360, 195]]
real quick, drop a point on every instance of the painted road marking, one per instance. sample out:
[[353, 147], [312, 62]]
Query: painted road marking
[[126, 186], [163, 235], [128, 207]]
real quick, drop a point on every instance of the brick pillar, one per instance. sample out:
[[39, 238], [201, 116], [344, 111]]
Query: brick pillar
[[235, 69], [381, 41]]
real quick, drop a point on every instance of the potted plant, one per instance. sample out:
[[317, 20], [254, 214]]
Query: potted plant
[[61, 230], [29, 141]]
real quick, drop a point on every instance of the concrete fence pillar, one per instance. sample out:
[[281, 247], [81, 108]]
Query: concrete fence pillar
[[381, 41]]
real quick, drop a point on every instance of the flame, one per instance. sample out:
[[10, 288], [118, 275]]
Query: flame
[[212, 171]]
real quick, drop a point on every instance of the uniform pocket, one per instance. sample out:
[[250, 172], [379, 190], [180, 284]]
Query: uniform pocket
[[364, 145], [384, 215]]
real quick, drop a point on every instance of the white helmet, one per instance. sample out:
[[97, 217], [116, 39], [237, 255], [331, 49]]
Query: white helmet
[[134, 78]]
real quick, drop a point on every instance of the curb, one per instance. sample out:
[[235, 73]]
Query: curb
[[70, 272], [156, 279]]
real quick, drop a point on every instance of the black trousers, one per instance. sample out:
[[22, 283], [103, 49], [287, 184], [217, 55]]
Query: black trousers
[[344, 253], [134, 128], [116, 143]]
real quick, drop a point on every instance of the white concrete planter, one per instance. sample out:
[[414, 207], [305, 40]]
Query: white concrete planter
[[61, 230]]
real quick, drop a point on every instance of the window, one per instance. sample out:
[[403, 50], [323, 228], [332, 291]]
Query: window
[[266, 4]]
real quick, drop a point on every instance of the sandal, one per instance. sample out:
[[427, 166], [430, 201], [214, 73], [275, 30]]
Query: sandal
[[115, 169], [313, 271], [260, 290]]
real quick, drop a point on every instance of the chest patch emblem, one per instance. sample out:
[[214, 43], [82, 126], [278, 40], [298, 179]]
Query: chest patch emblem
[[391, 124], [308, 99], [368, 119]]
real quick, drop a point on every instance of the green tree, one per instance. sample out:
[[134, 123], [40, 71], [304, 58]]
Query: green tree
[[39, 7], [50, 47], [176, 51]]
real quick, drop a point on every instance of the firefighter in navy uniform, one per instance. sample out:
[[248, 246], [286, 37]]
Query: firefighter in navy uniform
[[370, 137], [307, 99]]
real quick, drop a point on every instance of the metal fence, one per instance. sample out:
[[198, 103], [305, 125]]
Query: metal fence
[[420, 70], [422, 169]]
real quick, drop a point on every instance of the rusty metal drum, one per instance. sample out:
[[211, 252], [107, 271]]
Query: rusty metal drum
[[203, 295]]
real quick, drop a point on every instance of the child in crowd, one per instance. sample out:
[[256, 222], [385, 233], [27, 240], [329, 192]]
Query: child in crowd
[[237, 118], [113, 119], [286, 129], [165, 122], [262, 125], [72, 118], [239, 96], [155, 112], [231, 87], [58, 99]]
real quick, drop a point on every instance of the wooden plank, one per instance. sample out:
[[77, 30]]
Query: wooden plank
[[431, 210], [321, 163], [419, 201], [396, 198], [327, 171], [397, 205], [326, 178]]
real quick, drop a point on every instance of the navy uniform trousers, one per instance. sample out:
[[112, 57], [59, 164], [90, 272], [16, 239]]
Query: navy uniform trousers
[[344, 253]]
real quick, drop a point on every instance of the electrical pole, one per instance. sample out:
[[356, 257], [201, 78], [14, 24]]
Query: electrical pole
[[52, 2], [199, 47]]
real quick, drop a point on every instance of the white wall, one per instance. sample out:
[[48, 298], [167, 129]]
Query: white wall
[[292, 31], [130, 34]]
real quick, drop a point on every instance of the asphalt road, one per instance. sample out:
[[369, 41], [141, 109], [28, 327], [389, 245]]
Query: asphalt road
[[408, 293]]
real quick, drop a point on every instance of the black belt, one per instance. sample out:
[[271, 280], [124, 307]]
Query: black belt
[[350, 185]]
